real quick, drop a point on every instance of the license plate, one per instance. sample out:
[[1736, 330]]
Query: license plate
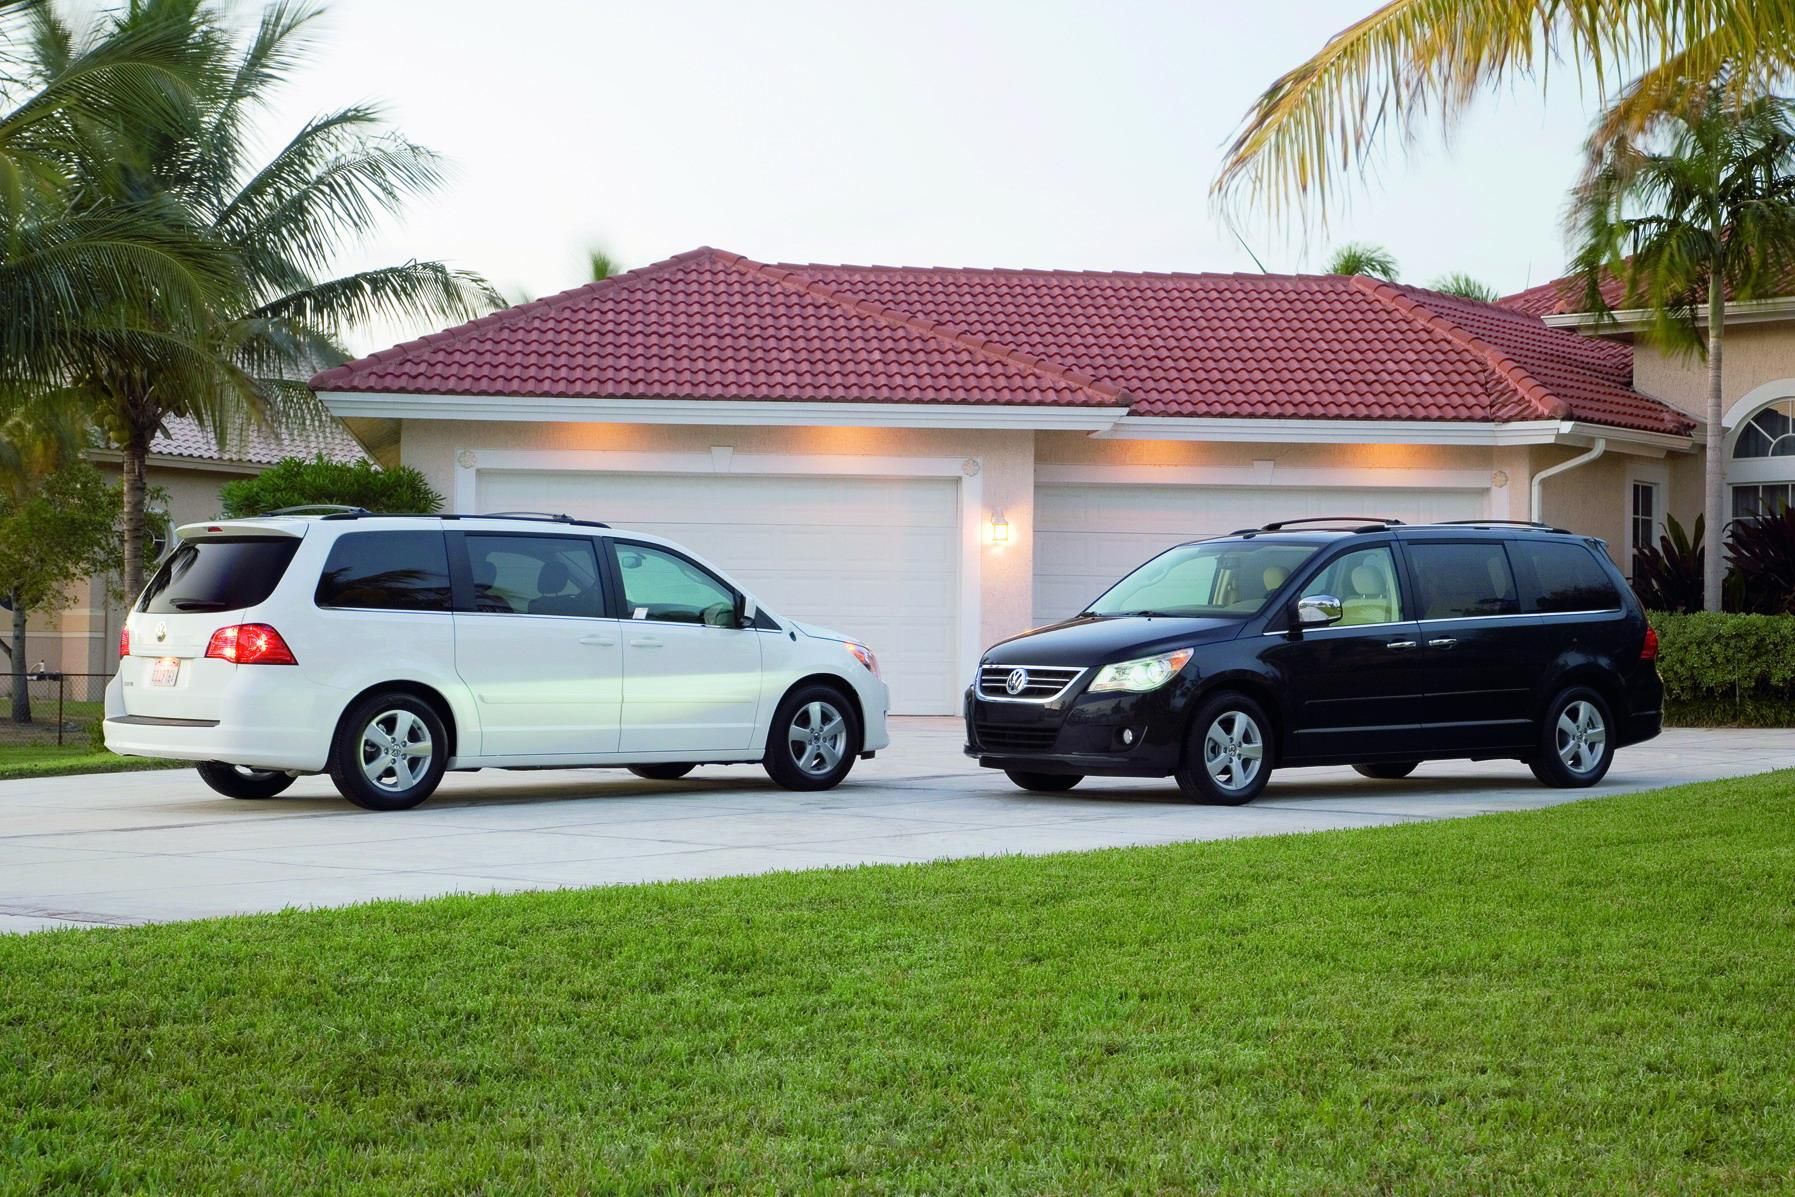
[[166, 671]]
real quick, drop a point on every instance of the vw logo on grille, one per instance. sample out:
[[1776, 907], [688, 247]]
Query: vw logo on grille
[[1017, 682]]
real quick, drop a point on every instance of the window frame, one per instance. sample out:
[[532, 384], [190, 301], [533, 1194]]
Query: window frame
[[461, 571], [323, 567], [1529, 594], [1654, 488], [1414, 571], [613, 569]]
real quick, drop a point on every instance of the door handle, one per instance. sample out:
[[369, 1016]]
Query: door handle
[[1442, 642], [1400, 644], [600, 641], [645, 642]]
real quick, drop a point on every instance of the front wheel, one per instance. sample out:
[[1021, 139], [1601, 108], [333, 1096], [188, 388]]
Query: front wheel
[[1387, 770], [1576, 745], [390, 752], [661, 772], [240, 781], [1228, 758], [1044, 783], [813, 739]]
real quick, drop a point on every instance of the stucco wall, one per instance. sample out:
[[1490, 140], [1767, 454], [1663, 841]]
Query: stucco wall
[[1754, 355]]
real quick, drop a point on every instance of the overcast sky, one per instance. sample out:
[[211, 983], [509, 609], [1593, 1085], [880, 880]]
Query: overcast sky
[[972, 133]]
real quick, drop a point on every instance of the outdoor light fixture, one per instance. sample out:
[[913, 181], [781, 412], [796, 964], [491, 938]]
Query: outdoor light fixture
[[1000, 529]]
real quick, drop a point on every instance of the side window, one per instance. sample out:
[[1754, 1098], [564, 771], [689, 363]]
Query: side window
[[1463, 581], [390, 571], [535, 575], [1563, 577], [661, 585], [1365, 583]]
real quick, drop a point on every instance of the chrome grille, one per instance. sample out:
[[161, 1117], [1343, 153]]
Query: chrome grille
[[1040, 683]]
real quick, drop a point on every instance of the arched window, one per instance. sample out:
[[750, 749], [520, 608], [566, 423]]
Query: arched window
[[1763, 467]]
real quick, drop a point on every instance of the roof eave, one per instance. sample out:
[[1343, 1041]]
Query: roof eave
[[1633, 320]]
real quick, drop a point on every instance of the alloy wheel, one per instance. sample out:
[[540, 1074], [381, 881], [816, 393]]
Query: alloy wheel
[[818, 737], [1581, 736], [1233, 750], [396, 750]]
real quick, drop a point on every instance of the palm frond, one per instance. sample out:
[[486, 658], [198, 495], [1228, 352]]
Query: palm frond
[[412, 291]]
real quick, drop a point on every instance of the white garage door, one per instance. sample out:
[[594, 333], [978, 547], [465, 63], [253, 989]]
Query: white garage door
[[877, 558], [1088, 536]]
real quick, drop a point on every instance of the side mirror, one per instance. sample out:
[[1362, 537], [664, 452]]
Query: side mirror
[[1318, 611], [746, 610]]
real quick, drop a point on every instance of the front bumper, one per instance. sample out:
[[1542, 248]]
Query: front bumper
[[1114, 735]]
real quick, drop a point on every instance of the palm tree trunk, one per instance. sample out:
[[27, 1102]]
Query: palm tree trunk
[[21, 697], [137, 450], [1714, 495]]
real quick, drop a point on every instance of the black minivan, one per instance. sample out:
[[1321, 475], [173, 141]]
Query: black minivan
[[1362, 642]]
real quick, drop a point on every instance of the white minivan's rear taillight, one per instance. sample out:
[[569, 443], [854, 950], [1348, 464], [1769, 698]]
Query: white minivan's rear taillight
[[250, 644], [124, 643]]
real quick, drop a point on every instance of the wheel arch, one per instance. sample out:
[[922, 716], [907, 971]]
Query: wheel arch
[[1253, 686], [1590, 676], [832, 680], [419, 690]]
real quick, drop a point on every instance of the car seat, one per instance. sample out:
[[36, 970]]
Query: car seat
[[1371, 600], [486, 596], [551, 580]]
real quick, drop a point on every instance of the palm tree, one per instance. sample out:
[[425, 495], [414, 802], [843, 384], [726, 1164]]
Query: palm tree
[[1362, 257], [600, 265], [1465, 286], [1697, 207], [282, 222], [1416, 60]]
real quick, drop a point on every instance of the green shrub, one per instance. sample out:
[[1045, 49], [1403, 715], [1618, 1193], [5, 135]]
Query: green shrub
[[295, 482], [1725, 670]]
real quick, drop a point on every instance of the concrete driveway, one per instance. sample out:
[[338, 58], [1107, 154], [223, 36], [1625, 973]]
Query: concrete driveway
[[143, 847]]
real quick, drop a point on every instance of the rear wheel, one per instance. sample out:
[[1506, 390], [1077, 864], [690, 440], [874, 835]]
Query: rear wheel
[[1228, 758], [1576, 741], [1387, 770], [661, 772], [813, 739], [390, 752], [1044, 783], [240, 781]]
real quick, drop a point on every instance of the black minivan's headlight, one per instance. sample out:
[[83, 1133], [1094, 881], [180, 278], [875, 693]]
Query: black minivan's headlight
[[1142, 674]]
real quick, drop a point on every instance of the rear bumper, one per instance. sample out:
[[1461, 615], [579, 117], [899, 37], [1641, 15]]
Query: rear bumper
[[280, 726]]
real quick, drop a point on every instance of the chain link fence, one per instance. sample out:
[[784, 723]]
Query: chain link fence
[[58, 708]]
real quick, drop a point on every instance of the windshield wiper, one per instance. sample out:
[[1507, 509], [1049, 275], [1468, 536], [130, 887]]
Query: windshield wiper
[[198, 605]]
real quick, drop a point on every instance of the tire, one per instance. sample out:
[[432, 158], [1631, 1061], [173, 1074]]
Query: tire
[[240, 781], [374, 779], [1387, 770], [1044, 783], [813, 739], [1228, 755], [661, 772], [1576, 740]]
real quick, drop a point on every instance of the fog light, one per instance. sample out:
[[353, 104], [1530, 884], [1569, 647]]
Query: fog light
[[1128, 735]]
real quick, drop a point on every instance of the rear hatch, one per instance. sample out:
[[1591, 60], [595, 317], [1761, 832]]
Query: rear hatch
[[218, 572]]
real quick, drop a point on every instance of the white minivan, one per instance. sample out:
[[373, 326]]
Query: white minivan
[[384, 650]]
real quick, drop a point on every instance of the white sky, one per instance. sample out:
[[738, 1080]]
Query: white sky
[[972, 133]]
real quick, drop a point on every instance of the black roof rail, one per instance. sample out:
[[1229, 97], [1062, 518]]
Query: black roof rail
[[358, 513], [326, 509], [1331, 519], [550, 516], [1502, 523]]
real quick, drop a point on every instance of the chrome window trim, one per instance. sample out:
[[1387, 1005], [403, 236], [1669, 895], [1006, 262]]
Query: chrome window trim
[[978, 686], [1359, 627]]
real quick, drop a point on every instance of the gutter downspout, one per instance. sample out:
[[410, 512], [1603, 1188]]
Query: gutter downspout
[[1563, 467]]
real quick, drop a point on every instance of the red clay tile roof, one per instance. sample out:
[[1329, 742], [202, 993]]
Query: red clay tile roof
[[181, 437], [714, 325], [1564, 296]]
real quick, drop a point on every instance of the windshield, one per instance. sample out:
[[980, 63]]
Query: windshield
[[1229, 577]]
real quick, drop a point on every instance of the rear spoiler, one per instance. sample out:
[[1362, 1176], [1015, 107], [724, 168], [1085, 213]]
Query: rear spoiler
[[220, 529]]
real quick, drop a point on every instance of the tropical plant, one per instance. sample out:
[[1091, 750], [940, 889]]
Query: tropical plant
[[600, 265], [297, 482], [1761, 550], [1699, 206], [1412, 61], [282, 221], [1466, 286], [1667, 576], [1362, 257]]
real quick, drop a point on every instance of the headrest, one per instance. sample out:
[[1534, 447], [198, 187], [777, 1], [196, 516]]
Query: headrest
[[1274, 577], [552, 578], [1366, 580]]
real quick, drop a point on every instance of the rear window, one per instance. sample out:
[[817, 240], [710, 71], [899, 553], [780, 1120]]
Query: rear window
[[1560, 576], [218, 575], [387, 571]]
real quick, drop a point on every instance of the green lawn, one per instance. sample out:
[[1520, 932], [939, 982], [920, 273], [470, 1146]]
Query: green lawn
[[1599, 997], [77, 756]]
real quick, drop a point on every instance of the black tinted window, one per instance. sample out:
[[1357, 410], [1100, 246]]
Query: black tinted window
[[400, 571], [1563, 577], [535, 575], [1459, 581], [218, 575]]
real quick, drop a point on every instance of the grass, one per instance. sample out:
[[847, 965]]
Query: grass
[[1598, 997], [53, 760]]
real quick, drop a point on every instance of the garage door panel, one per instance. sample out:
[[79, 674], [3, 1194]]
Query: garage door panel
[[1087, 536], [873, 557]]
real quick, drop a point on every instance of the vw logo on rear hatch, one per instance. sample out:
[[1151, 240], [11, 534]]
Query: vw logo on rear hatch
[[1017, 682], [161, 632]]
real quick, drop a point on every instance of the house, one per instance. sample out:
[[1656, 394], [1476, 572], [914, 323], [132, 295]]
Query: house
[[937, 458], [186, 469]]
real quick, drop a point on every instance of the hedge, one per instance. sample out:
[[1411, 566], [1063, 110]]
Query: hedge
[[1725, 670]]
